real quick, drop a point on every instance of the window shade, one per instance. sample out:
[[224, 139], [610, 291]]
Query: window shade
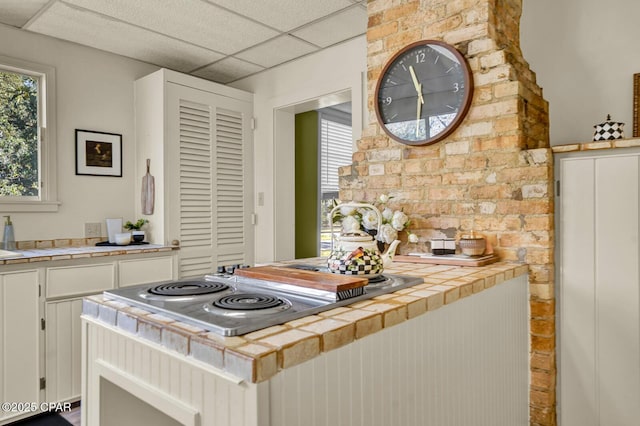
[[336, 148]]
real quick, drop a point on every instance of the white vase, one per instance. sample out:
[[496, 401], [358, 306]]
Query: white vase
[[114, 226]]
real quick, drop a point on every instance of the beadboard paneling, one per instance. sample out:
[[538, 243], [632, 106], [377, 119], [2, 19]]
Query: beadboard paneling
[[464, 364]]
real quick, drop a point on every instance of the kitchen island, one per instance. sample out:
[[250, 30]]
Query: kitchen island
[[450, 351]]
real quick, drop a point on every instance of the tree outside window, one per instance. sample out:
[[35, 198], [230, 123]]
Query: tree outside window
[[19, 171]]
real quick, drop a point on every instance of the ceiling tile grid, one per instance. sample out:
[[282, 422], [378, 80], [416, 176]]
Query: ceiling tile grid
[[339, 27], [221, 40], [277, 51], [227, 70], [68, 23], [18, 12], [284, 15], [197, 22]]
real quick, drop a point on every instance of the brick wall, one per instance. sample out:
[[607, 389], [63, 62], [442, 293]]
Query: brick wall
[[492, 175]]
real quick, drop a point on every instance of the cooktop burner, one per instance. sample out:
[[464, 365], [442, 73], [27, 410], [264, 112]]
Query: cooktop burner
[[248, 305], [249, 301], [188, 288], [232, 305]]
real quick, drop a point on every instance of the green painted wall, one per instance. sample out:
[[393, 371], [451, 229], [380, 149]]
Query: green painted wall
[[306, 191]]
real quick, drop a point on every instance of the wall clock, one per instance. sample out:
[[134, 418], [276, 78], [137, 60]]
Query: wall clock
[[424, 92]]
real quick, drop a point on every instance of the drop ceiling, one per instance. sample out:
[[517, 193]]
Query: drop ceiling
[[220, 40]]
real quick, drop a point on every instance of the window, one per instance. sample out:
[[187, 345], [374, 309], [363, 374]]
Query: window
[[336, 150], [27, 137]]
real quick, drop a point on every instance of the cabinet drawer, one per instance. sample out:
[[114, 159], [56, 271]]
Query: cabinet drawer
[[79, 280], [141, 271]]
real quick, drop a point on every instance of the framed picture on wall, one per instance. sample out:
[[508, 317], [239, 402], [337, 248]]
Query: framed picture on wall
[[98, 153]]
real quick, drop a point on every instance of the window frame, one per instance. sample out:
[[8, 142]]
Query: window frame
[[47, 201]]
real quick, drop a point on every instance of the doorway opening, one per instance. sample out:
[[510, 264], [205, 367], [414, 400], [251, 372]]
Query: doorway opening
[[323, 144]]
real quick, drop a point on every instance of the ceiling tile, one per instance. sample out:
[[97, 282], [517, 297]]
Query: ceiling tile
[[18, 12], [227, 70], [195, 21], [276, 51], [284, 15], [87, 28], [336, 28]]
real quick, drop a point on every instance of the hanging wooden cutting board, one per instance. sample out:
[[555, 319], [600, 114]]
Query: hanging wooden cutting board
[[312, 279], [148, 191]]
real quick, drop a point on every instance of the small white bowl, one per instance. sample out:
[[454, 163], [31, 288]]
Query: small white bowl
[[123, 239]]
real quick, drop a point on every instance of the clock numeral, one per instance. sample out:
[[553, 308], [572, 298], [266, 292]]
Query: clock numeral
[[420, 57], [387, 100], [456, 87]]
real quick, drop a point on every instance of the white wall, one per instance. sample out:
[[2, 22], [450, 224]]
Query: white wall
[[279, 93], [584, 53], [94, 92]]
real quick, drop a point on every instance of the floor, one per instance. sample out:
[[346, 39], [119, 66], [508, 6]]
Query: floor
[[72, 417]]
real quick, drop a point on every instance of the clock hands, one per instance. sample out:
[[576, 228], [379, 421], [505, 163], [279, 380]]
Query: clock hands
[[420, 99], [417, 85]]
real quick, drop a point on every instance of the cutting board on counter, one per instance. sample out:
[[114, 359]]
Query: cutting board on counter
[[453, 259], [312, 279]]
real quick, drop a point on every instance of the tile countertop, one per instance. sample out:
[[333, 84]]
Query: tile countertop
[[258, 356], [81, 252]]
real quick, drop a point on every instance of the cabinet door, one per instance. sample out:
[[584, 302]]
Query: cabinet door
[[599, 291], [73, 281], [63, 340], [140, 271], [19, 337], [208, 179]]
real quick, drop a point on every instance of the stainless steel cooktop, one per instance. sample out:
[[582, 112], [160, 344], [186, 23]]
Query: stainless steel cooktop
[[232, 305]]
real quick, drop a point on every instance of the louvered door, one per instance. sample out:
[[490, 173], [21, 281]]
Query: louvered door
[[208, 179], [229, 187]]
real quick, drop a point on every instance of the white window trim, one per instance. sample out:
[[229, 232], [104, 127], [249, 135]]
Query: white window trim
[[48, 201]]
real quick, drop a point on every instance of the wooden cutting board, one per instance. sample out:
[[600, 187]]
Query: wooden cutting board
[[312, 279], [455, 260]]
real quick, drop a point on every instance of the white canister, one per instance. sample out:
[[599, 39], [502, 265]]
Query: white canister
[[114, 226]]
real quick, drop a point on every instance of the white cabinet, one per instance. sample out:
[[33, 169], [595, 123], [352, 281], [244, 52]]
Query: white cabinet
[[71, 281], [19, 340], [65, 288], [198, 137], [598, 288], [63, 352], [141, 271]]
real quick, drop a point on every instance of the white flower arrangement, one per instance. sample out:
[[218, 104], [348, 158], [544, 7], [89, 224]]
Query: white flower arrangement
[[364, 219]]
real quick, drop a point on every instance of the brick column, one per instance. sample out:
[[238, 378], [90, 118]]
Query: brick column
[[494, 174]]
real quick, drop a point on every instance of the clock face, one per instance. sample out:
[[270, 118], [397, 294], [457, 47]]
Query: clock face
[[423, 93]]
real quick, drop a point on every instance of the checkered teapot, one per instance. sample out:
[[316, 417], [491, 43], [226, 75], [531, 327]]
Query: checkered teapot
[[355, 252]]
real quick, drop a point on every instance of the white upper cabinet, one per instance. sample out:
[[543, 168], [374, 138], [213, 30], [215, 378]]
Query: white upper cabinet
[[199, 139]]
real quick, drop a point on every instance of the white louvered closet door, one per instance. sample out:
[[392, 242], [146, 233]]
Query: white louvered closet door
[[209, 179]]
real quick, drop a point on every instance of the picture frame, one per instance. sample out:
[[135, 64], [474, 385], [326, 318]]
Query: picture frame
[[98, 153], [636, 105]]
